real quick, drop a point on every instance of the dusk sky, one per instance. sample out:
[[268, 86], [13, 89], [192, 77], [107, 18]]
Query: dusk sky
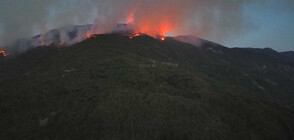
[[274, 23], [242, 23]]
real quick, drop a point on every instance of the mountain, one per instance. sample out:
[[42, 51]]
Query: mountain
[[64, 36], [113, 87], [289, 55], [193, 40]]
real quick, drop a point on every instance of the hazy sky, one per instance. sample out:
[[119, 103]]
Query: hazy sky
[[233, 23], [274, 23]]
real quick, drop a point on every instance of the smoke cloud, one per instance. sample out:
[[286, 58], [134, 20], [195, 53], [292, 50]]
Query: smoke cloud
[[212, 19]]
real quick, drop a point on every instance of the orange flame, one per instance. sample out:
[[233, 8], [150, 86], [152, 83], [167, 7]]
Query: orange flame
[[135, 35], [4, 53], [89, 35], [150, 26], [144, 25]]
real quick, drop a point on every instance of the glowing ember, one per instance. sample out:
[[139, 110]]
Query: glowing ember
[[162, 38], [4, 53], [89, 35], [135, 35]]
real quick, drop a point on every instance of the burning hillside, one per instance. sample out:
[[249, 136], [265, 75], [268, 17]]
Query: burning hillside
[[134, 35], [157, 22], [69, 35], [3, 53], [133, 26], [210, 19]]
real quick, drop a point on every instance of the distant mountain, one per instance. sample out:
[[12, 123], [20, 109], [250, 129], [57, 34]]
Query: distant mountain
[[289, 55], [201, 43], [113, 87], [72, 34], [193, 40], [283, 57], [67, 35], [64, 36]]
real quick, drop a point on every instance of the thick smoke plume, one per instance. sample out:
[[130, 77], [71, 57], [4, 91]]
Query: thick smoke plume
[[211, 19]]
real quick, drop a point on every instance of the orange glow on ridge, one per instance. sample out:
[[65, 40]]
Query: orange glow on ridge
[[135, 35], [4, 53], [89, 35], [152, 27]]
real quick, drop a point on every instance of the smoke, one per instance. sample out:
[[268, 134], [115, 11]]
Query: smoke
[[19, 18], [211, 19], [25, 18]]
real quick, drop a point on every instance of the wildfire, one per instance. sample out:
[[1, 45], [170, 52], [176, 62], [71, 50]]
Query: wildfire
[[130, 18], [135, 35], [136, 26], [89, 35], [162, 38], [4, 53]]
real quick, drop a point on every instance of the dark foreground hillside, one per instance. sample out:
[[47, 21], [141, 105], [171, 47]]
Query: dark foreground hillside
[[112, 87]]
